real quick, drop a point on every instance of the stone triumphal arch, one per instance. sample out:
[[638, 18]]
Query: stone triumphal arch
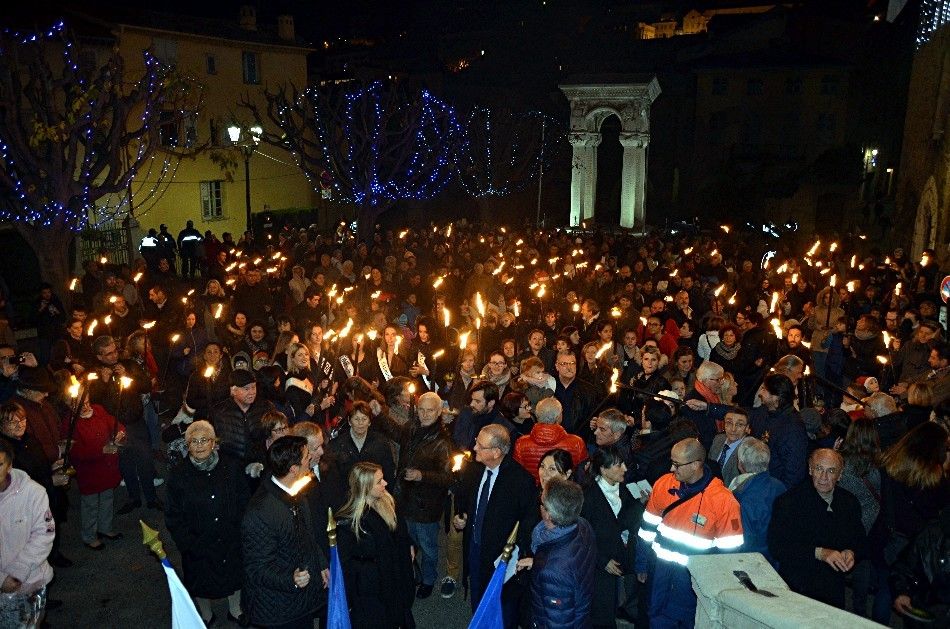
[[591, 104]]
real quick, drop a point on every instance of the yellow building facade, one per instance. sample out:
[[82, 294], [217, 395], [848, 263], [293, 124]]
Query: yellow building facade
[[209, 189]]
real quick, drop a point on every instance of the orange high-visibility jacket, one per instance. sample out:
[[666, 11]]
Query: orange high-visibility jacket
[[706, 523]]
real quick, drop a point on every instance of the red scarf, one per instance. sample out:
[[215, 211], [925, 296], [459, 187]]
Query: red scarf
[[706, 392]]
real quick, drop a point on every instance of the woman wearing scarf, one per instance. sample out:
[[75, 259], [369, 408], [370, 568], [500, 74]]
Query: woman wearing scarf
[[205, 503], [564, 561], [728, 354], [497, 372]]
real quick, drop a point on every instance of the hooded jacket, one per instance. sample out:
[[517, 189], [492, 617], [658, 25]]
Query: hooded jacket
[[26, 533]]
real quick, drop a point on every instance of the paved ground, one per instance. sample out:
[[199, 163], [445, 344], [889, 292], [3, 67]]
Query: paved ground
[[123, 586]]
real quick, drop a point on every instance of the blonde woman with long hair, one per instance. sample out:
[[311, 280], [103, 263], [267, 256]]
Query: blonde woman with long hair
[[376, 553]]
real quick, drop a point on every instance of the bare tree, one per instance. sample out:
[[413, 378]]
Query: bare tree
[[374, 146], [72, 136], [503, 151]]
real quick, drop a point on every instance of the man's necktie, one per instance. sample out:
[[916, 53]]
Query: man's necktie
[[481, 506]]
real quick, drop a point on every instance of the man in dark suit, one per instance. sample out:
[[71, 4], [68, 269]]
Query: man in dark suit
[[726, 445], [496, 494]]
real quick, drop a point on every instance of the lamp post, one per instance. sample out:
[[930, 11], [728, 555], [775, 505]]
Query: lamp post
[[252, 137]]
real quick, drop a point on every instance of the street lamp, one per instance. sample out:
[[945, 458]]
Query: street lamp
[[247, 145]]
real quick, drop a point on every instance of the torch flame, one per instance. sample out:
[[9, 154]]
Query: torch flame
[[438, 354], [148, 325], [724, 228], [107, 320], [446, 316], [125, 382], [541, 291], [814, 248], [613, 380], [209, 371], [463, 340], [73, 387], [603, 350], [175, 338], [882, 360], [137, 277], [372, 334], [777, 327], [457, 462], [92, 326], [479, 304], [72, 284]]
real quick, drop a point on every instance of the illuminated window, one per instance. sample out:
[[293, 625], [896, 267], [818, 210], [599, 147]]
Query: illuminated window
[[212, 207]]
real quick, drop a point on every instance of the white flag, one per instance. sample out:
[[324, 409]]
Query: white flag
[[184, 614]]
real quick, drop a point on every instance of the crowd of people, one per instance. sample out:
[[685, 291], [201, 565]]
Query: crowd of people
[[628, 402]]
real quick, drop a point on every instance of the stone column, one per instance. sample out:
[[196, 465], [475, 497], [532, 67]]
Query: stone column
[[633, 179], [583, 175]]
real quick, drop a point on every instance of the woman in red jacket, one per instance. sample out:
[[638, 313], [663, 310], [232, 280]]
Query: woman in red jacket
[[94, 454]]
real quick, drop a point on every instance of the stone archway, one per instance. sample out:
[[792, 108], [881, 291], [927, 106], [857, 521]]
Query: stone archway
[[591, 104]]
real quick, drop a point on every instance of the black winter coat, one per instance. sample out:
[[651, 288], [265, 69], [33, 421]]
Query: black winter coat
[[923, 571], [376, 449], [236, 429], [801, 522], [785, 435], [377, 569], [607, 530], [562, 580], [277, 536], [203, 513], [427, 450]]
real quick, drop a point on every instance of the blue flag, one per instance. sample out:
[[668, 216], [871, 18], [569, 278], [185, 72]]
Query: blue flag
[[184, 614], [338, 610], [488, 615]]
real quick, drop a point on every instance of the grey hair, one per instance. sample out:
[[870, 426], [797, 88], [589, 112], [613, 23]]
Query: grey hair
[[563, 500], [754, 455], [879, 404], [615, 420], [549, 411], [431, 395], [708, 369], [500, 437], [199, 426]]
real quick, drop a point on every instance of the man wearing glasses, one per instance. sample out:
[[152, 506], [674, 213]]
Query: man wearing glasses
[[816, 533], [495, 493], [690, 512]]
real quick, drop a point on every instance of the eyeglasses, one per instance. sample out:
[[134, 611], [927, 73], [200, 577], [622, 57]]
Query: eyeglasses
[[567, 364], [497, 363], [200, 441], [19, 418], [821, 471], [676, 465], [279, 429]]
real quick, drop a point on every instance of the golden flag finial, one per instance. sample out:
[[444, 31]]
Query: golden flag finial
[[331, 527], [151, 539], [510, 544]]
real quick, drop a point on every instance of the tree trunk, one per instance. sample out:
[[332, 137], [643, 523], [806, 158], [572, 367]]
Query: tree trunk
[[366, 216], [51, 246]]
